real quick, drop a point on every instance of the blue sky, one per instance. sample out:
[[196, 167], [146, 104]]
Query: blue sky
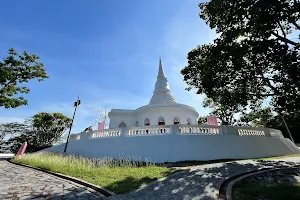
[[105, 51]]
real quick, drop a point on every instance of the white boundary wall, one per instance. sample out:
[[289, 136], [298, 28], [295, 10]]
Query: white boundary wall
[[180, 142]]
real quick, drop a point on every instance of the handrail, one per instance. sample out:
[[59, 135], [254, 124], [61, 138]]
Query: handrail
[[180, 130]]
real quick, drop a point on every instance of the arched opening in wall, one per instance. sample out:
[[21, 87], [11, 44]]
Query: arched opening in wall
[[161, 121], [189, 121], [136, 123], [176, 120], [122, 124], [147, 122]]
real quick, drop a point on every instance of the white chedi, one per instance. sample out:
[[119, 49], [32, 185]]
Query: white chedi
[[162, 93], [161, 110]]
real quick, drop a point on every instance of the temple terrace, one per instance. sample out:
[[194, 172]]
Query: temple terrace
[[167, 131]]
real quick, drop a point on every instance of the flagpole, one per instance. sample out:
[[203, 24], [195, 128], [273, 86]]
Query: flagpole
[[67, 142]]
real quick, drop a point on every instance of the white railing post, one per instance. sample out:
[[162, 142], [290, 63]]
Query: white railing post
[[230, 130], [124, 132], [86, 135], [224, 130], [267, 132], [174, 129]]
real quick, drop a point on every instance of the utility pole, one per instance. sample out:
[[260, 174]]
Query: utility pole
[[76, 103], [287, 128]]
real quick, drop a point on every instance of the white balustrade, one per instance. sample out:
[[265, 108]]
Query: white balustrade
[[151, 130], [249, 132], [199, 130], [180, 129], [107, 133]]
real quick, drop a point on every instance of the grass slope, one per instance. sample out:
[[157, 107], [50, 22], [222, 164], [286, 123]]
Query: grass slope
[[117, 176]]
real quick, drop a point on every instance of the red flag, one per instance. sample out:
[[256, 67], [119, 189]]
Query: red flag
[[101, 125], [21, 150], [212, 120]]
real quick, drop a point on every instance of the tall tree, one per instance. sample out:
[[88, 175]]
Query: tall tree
[[15, 130], [11, 129], [49, 127], [256, 56], [40, 131], [15, 70], [225, 113], [263, 117], [202, 120]]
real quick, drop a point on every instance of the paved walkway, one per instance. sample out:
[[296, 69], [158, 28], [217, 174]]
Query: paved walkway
[[199, 182], [19, 183]]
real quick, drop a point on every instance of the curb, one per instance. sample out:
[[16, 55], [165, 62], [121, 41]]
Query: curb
[[224, 184], [97, 188], [228, 183]]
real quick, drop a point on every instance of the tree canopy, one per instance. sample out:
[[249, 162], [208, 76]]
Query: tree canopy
[[40, 131], [256, 56], [13, 128], [202, 120], [224, 113], [49, 127], [15, 70], [266, 117]]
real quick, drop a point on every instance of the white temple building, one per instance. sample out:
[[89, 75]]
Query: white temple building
[[166, 131], [161, 110]]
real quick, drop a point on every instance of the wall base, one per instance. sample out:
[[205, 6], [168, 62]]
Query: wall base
[[173, 148]]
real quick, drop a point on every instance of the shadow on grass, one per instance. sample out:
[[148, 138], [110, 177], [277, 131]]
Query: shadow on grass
[[195, 162], [130, 183], [275, 191]]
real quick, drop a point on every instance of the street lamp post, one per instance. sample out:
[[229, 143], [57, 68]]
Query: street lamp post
[[76, 103]]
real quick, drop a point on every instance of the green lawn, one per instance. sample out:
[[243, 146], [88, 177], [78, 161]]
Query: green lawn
[[117, 176], [256, 191]]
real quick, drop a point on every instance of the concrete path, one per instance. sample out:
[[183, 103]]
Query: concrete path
[[199, 182], [19, 183]]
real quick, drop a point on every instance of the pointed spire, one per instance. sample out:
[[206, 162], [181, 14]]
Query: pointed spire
[[162, 93], [160, 69]]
